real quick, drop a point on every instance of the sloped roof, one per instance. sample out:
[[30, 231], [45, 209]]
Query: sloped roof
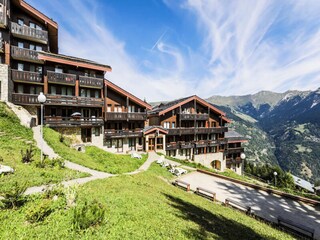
[[125, 93], [233, 136], [164, 108], [303, 183], [149, 129], [74, 61]]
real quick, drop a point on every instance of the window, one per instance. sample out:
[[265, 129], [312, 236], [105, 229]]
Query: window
[[39, 69], [20, 66], [39, 90], [83, 92], [63, 91], [92, 74], [58, 69], [166, 125], [20, 44], [20, 22], [38, 27], [32, 25], [109, 108], [97, 131], [131, 109], [108, 143], [69, 91], [39, 48], [173, 124], [32, 90], [96, 94], [53, 112], [32, 68], [20, 88], [53, 90], [32, 47]]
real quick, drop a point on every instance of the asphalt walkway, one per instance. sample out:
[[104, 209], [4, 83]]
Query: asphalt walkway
[[265, 205]]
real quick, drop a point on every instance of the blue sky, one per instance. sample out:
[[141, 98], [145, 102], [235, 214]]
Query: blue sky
[[166, 49]]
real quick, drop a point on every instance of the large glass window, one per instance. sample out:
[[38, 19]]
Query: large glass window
[[63, 91], [20, 88], [32, 25], [20, 66]]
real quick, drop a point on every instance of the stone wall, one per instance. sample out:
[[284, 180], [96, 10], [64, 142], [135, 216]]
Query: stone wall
[[4, 81]]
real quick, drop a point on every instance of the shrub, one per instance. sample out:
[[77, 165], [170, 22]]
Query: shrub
[[1, 159], [88, 214], [51, 163], [15, 197], [27, 156], [39, 212], [61, 138]]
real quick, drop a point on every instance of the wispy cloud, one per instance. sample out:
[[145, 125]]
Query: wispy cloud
[[246, 46]]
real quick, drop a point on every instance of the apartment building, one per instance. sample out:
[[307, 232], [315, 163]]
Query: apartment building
[[191, 128]]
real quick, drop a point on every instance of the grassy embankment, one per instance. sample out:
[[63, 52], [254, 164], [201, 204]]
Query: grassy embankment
[[141, 206], [93, 157], [14, 138]]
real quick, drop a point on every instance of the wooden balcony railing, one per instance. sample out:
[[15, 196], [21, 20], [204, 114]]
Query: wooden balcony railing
[[25, 54], [201, 144], [25, 76], [185, 116], [172, 146], [229, 161], [126, 116], [29, 33], [63, 78], [74, 101], [192, 130], [180, 131], [186, 145], [235, 150], [112, 133], [25, 99], [90, 82], [211, 130], [73, 122]]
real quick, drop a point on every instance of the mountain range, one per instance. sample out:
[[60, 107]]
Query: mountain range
[[282, 128]]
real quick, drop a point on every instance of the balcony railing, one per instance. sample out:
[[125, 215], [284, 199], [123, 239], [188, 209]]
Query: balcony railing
[[201, 144], [188, 116], [211, 130], [186, 145], [180, 131], [90, 82], [25, 99], [112, 133], [1, 45], [235, 150], [25, 54], [73, 122], [73, 101], [62, 78], [192, 130], [25, 76], [29, 33], [126, 116], [229, 161], [172, 146]]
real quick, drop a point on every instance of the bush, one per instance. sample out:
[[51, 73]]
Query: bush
[[39, 212], [15, 197], [61, 138], [27, 157], [87, 215], [51, 163]]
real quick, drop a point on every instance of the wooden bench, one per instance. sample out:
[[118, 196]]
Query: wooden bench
[[206, 193], [238, 205], [182, 184], [296, 227]]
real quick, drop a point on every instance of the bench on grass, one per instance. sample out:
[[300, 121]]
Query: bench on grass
[[296, 227], [206, 193], [182, 184], [238, 205]]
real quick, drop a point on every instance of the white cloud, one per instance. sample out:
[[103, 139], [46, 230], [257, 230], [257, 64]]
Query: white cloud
[[247, 46]]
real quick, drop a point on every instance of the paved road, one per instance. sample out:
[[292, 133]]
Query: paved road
[[268, 206]]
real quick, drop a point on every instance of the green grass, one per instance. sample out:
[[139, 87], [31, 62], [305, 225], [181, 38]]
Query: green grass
[[14, 138], [141, 206], [94, 157]]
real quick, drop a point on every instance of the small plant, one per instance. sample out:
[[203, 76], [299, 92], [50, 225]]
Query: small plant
[[88, 214], [1, 159], [71, 196], [15, 197], [39, 212], [61, 138], [27, 156]]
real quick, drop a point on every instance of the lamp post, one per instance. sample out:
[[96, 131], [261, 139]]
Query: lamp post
[[42, 99], [243, 157], [275, 178]]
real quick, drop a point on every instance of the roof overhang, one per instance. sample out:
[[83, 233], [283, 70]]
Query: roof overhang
[[155, 129], [199, 100], [127, 94], [73, 62]]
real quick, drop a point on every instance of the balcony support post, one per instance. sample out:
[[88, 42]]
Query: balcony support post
[[77, 88], [45, 85]]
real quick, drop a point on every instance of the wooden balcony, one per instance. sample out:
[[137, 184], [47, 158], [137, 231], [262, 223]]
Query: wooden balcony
[[172, 146], [25, 99], [235, 150], [186, 145], [73, 122], [29, 33], [200, 144], [90, 82], [112, 133], [74, 101], [180, 131], [185, 116], [230, 161], [26, 77], [213, 143], [25, 54], [211, 130], [61, 78], [124, 116]]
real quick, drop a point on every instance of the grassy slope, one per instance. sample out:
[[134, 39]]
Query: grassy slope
[[143, 206], [14, 138], [94, 157]]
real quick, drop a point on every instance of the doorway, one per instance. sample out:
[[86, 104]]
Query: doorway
[[86, 135], [151, 144]]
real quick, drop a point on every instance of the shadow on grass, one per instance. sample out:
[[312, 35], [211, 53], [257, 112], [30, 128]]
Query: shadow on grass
[[211, 224]]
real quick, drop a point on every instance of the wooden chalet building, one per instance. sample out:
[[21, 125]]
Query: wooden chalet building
[[189, 128]]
